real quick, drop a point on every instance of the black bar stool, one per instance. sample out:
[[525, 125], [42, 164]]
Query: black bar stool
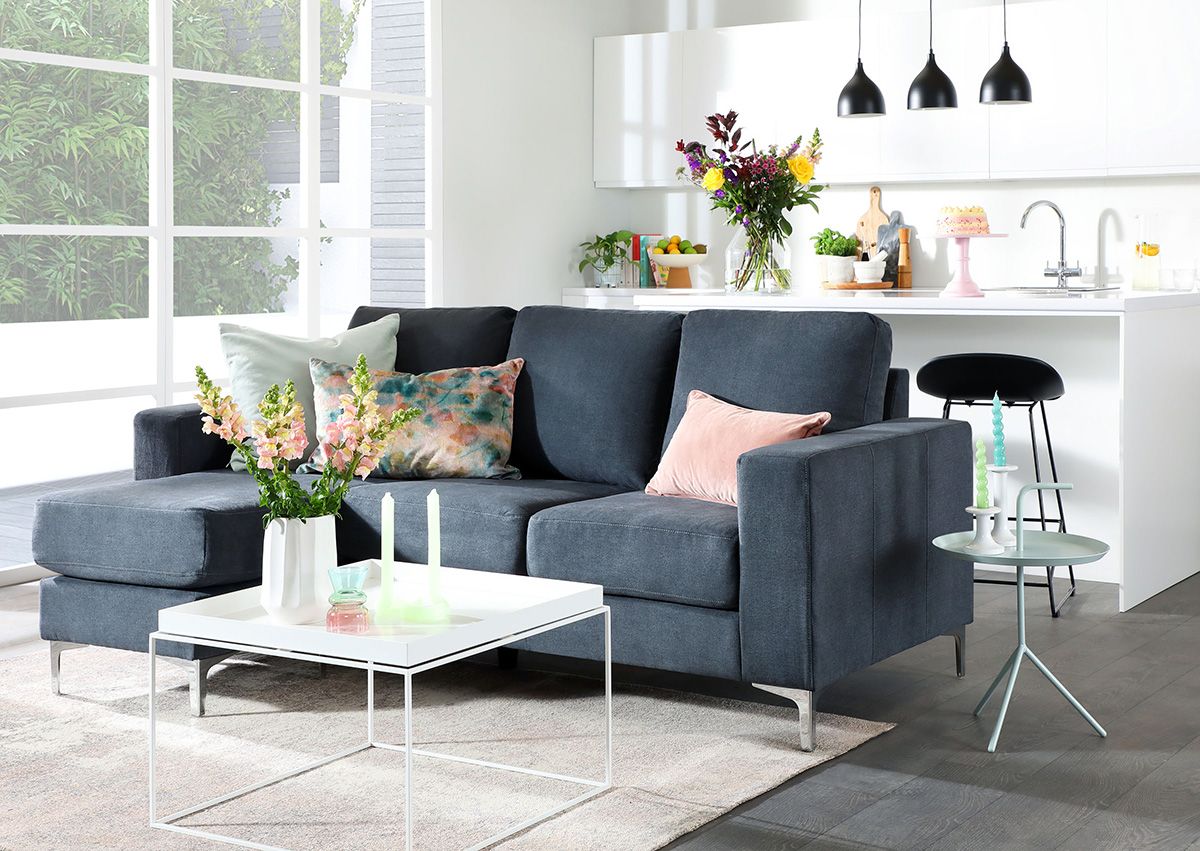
[[1021, 382]]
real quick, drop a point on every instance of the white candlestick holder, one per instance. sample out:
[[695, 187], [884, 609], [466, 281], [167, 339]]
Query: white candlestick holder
[[1001, 534], [982, 544]]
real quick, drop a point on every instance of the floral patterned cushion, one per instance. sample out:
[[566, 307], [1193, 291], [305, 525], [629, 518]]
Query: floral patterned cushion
[[465, 430]]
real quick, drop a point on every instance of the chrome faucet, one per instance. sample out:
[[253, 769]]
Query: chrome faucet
[[1062, 271]]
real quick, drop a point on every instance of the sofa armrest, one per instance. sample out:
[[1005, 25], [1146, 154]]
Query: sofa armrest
[[168, 442], [837, 569]]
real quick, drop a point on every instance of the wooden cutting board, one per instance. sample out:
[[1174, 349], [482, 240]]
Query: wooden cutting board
[[867, 229]]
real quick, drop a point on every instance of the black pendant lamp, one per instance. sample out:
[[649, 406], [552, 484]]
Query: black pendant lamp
[[1005, 82], [932, 89], [860, 98]]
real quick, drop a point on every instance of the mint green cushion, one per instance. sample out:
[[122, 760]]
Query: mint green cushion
[[257, 360]]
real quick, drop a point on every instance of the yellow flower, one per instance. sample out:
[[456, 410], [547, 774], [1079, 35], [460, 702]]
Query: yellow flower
[[801, 168], [713, 180]]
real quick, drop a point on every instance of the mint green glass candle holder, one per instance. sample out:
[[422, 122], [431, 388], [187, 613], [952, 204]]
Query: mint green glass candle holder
[[347, 604]]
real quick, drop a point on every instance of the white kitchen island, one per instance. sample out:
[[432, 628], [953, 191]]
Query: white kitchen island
[[1125, 433]]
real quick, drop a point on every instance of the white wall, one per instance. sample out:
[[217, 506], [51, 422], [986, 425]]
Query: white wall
[[517, 131], [518, 185]]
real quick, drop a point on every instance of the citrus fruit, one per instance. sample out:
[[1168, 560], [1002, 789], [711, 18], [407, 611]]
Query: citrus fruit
[[675, 239], [657, 250], [663, 243]]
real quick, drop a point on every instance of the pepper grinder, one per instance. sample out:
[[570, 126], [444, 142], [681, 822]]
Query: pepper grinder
[[904, 264]]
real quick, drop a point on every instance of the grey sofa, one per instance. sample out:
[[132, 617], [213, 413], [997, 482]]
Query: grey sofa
[[824, 567]]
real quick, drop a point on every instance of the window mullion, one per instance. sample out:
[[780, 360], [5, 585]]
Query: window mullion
[[162, 198], [310, 165]]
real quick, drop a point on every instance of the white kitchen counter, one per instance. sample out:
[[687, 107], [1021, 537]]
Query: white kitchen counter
[[1124, 432], [914, 301]]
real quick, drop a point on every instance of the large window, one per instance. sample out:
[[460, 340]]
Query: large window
[[167, 165]]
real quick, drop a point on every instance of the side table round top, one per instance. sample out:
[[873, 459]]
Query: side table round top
[[1041, 548]]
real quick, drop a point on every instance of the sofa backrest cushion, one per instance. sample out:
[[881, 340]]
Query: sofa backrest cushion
[[592, 402], [794, 362], [436, 338]]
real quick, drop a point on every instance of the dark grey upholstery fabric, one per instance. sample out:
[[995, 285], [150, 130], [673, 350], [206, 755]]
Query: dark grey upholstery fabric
[[653, 634], [168, 442], [484, 521], [797, 363], [112, 614], [895, 399], [637, 545], [191, 531], [433, 338], [837, 569], [592, 401]]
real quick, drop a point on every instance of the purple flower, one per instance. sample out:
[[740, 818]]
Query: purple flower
[[720, 193], [724, 159], [738, 210], [730, 175], [746, 221]]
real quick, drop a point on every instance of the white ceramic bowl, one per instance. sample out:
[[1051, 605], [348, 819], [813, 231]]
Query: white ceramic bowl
[[676, 261], [868, 271]]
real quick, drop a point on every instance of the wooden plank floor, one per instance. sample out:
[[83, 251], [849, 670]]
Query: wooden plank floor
[[16, 513], [929, 783], [1052, 783]]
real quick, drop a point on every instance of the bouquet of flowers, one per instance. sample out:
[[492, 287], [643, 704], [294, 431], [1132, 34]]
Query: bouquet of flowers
[[755, 188], [353, 443]]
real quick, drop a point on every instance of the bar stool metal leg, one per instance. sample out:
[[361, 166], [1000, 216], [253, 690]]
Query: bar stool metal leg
[[1055, 606]]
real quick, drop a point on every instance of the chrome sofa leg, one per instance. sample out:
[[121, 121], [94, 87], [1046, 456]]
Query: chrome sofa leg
[[960, 649], [804, 703], [198, 681], [56, 649]]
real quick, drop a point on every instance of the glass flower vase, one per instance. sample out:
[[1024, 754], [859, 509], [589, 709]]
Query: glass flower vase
[[755, 262]]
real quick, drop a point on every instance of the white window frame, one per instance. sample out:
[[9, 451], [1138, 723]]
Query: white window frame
[[161, 230]]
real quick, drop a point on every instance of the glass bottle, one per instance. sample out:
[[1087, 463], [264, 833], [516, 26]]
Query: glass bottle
[[1146, 262], [347, 610]]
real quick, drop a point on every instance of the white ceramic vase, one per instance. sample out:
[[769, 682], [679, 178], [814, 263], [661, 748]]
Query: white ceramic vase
[[297, 555]]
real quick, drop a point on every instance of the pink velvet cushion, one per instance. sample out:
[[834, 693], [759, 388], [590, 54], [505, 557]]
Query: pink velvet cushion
[[701, 459]]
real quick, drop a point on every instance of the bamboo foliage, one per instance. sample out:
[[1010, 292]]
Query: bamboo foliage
[[74, 150]]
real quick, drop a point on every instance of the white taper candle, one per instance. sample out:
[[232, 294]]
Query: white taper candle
[[434, 506], [387, 555]]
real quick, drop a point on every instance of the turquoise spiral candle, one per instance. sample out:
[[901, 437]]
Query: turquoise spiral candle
[[982, 500], [998, 456]]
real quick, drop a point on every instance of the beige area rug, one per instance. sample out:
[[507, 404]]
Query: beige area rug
[[73, 769]]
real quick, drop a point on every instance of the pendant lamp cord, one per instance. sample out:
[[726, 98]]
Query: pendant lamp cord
[[1005, 23], [860, 30], [931, 26]]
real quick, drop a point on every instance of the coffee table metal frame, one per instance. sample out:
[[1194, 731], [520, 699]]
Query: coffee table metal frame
[[595, 787]]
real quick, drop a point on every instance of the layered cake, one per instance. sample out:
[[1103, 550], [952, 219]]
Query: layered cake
[[962, 221]]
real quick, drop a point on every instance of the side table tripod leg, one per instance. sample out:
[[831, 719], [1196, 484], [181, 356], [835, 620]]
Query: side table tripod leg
[[1063, 691], [987, 695], [1008, 691]]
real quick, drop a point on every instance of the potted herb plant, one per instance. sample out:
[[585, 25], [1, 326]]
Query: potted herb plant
[[607, 256], [837, 252]]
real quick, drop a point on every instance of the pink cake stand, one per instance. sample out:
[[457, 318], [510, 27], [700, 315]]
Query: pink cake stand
[[963, 285]]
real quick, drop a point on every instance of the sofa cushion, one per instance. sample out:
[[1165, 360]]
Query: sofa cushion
[[484, 521], [636, 545], [433, 338], [189, 531], [790, 362], [592, 402]]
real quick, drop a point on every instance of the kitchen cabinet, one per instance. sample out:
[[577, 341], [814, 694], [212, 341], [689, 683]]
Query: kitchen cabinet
[[1060, 44], [1153, 76], [637, 109], [934, 144]]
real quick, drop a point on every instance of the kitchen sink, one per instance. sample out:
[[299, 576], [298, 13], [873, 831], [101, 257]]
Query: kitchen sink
[[1034, 290]]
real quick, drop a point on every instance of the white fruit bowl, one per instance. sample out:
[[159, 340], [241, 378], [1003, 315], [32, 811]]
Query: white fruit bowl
[[677, 261]]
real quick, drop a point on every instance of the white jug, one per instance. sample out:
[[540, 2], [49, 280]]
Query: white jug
[[297, 555]]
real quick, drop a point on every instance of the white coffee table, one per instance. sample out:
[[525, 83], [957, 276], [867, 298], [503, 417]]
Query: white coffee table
[[488, 610]]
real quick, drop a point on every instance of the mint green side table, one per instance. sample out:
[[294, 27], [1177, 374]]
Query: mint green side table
[[1034, 548]]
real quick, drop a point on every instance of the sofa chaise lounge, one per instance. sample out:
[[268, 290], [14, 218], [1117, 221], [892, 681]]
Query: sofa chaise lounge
[[824, 567]]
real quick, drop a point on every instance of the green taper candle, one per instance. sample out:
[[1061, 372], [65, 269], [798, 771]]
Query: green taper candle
[[982, 500]]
